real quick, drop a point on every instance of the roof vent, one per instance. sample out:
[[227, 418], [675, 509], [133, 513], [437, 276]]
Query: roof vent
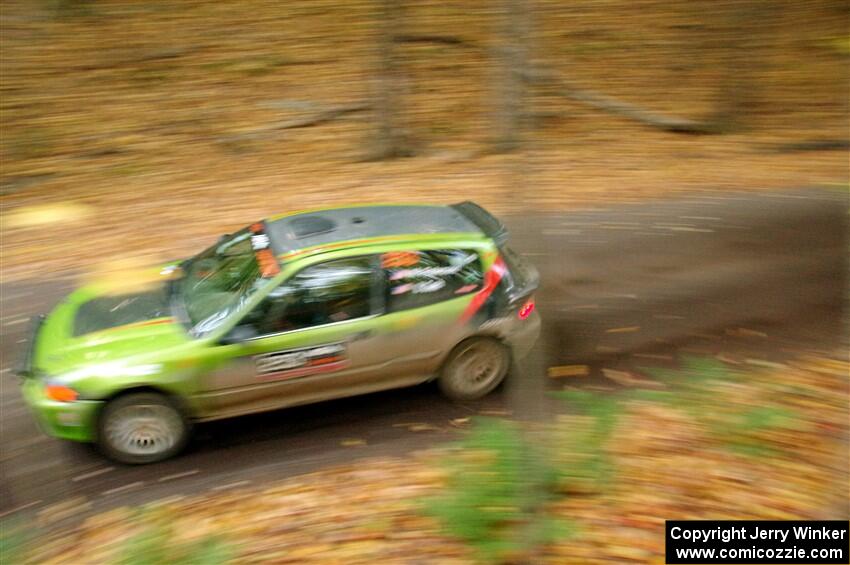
[[307, 226]]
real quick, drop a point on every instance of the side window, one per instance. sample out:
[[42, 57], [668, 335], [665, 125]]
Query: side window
[[321, 294], [420, 278]]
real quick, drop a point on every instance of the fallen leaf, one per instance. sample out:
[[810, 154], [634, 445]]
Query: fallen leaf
[[568, 371], [625, 378], [495, 412], [744, 332], [727, 359], [621, 377], [764, 363], [422, 428], [658, 356], [628, 329], [352, 442]]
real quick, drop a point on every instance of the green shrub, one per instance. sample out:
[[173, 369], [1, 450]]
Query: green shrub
[[589, 462], [702, 388], [156, 544], [496, 494], [697, 389], [15, 539]]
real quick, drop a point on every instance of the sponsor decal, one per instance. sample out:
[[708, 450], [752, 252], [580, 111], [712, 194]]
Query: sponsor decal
[[260, 241], [401, 289], [292, 363], [432, 271], [399, 259], [422, 287], [409, 279], [432, 285], [261, 244], [491, 280]]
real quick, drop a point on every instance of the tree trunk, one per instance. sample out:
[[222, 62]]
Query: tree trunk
[[510, 68], [391, 138], [526, 389], [741, 39]]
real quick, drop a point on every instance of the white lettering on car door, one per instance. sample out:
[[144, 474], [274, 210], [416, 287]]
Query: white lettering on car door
[[291, 363]]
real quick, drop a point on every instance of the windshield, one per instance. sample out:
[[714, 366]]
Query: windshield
[[218, 281]]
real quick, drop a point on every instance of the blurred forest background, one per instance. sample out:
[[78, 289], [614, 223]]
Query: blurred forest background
[[139, 130], [146, 128]]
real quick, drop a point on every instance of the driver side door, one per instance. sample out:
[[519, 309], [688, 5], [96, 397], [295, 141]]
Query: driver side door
[[312, 338]]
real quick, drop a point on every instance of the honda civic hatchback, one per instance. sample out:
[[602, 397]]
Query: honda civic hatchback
[[295, 309]]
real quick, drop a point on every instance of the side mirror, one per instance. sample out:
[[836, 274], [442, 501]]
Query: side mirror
[[238, 335]]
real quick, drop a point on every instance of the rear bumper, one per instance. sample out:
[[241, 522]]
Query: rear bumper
[[66, 420], [525, 336]]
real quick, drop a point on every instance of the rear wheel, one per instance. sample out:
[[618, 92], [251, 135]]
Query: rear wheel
[[474, 368], [142, 428]]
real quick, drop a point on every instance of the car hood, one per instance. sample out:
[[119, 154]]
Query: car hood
[[91, 327], [121, 312]]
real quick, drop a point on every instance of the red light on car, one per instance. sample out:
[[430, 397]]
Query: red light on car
[[526, 309], [61, 393]]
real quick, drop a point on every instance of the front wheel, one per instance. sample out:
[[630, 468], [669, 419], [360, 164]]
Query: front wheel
[[474, 368], [142, 428]]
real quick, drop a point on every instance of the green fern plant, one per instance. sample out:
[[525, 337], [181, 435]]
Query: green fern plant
[[15, 540], [589, 460], [734, 426], [496, 493], [156, 544]]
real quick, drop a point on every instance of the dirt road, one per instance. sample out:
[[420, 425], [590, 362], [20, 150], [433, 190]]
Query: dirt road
[[753, 276]]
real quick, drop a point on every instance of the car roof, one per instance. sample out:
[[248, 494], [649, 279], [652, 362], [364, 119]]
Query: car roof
[[354, 224]]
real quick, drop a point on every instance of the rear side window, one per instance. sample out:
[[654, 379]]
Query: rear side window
[[421, 278]]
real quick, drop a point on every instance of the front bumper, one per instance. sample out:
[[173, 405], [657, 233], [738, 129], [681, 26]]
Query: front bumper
[[75, 421]]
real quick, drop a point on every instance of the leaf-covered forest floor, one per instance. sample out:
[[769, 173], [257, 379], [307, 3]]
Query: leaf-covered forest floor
[[667, 463], [143, 130]]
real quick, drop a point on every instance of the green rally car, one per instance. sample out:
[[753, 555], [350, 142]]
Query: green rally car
[[294, 309]]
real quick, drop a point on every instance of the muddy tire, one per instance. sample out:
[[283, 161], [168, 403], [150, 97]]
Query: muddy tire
[[142, 428], [474, 368]]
